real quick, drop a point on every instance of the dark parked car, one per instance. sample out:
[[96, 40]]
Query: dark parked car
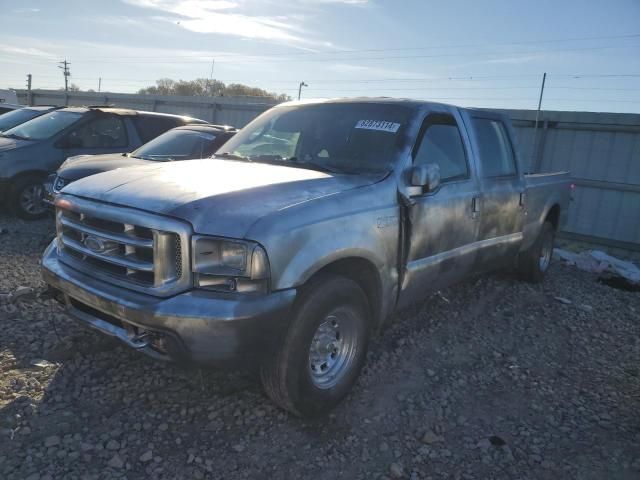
[[16, 117], [181, 143], [9, 107], [31, 151]]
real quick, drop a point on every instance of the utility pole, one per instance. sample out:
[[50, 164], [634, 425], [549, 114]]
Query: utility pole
[[29, 94], [65, 71], [210, 85], [302, 84], [99, 83], [535, 128]]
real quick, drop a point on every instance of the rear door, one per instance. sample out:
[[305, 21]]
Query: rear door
[[442, 227], [500, 205]]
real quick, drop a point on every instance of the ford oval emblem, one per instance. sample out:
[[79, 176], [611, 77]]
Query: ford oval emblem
[[94, 243]]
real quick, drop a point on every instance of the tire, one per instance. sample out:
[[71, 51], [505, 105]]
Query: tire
[[25, 201], [534, 263], [302, 376]]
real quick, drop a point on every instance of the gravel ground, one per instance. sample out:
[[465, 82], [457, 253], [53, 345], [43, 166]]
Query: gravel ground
[[493, 378]]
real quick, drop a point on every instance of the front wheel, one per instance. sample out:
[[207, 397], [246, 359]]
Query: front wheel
[[324, 349], [534, 263], [27, 198]]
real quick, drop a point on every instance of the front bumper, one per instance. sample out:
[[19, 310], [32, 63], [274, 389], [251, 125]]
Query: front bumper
[[197, 326]]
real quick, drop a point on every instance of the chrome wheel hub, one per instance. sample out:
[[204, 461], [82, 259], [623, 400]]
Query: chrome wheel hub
[[333, 348], [31, 199], [546, 252]]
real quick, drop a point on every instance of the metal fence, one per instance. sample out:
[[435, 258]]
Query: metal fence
[[601, 150], [236, 111]]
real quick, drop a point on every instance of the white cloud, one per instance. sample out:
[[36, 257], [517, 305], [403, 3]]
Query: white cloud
[[26, 10], [31, 52], [216, 16]]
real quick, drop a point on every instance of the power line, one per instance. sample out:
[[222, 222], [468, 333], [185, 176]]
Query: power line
[[259, 58], [208, 54]]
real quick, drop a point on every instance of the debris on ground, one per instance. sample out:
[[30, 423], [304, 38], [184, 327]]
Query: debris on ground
[[611, 271], [502, 380]]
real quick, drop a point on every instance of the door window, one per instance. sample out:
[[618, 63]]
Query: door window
[[441, 143], [151, 126], [496, 154], [102, 132]]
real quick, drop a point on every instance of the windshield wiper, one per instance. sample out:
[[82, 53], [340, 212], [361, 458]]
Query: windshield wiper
[[232, 156], [293, 162], [317, 166]]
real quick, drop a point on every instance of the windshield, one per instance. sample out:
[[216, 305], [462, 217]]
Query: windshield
[[16, 117], [336, 137], [177, 145], [44, 126]]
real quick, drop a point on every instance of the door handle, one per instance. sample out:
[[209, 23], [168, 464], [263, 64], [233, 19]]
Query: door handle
[[523, 197], [475, 207]]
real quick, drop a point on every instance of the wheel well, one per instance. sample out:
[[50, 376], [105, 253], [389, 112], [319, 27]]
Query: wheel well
[[29, 173], [365, 274], [553, 216]]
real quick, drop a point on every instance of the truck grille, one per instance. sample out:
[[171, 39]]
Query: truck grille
[[122, 245]]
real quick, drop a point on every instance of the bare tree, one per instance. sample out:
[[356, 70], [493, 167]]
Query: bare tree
[[205, 87]]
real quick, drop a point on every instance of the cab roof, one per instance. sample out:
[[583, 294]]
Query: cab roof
[[127, 112]]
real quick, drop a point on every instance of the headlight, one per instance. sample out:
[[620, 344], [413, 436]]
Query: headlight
[[229, 265]]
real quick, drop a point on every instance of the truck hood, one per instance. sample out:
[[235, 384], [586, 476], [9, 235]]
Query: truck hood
[[220, 197], [82, 166]]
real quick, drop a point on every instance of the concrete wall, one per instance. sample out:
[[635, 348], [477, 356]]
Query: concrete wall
[[601, 150]]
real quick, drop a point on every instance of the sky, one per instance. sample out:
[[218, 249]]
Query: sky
[[489, 53]]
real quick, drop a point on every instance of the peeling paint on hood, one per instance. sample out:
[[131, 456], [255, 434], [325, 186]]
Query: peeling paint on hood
[[220, 197]]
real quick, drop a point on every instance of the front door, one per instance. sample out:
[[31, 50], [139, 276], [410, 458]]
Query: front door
[[500, 209], [103, 134], [443, 226]]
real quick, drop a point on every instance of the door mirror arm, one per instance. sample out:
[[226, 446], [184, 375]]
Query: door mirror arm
[[426, 177]]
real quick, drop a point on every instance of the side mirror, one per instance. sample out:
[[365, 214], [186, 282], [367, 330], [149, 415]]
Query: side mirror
[[426, 176]]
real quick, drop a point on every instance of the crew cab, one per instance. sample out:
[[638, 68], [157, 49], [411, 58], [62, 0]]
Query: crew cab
[[32, 150], [317, 221]]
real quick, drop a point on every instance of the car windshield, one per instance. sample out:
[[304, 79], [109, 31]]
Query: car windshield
[[16, 117], [333, 137], [44, 126], [177, 145]]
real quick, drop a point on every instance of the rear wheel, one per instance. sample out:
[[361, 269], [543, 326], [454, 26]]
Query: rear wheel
[[27, 197], [534, 263], [322, 353]]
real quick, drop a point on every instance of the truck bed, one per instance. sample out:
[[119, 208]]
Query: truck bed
[[542, 192]]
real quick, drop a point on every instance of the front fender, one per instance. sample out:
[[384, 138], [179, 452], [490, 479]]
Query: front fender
[[362, 223]]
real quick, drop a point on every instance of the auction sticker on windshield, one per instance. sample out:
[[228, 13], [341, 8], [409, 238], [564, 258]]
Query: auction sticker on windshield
[[379, 125]]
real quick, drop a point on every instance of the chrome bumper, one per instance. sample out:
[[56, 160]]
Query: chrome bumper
[[196, 326]]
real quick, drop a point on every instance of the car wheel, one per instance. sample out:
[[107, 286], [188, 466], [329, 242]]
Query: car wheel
[[27, 198], [324, 349], [534, 263]]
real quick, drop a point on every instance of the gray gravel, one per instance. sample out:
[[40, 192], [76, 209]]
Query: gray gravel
[[493, 378]]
